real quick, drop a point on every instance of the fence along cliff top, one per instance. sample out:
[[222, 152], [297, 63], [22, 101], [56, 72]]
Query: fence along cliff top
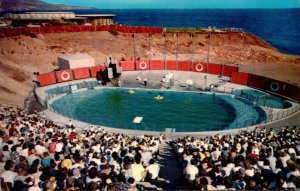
[[8, 32]]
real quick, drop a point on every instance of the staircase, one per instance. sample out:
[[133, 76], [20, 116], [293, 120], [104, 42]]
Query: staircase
[[170, 172]]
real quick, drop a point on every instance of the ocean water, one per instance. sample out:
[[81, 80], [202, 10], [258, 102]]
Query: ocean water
[[184, 111], [279, 27]]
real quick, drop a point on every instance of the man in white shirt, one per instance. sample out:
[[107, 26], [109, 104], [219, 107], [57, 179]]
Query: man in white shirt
[[138, 171], [191, 171], [59, 147], [226, 168], [116, 166], [153, 169], [187, 157], [8, 175], [39, 148], [32, 157], [272, 160], [284, 157], [127, 171]]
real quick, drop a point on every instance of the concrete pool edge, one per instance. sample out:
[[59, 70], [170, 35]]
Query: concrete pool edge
[[41, 95]]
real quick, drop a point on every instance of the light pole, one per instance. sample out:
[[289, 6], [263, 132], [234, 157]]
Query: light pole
[[165, 56], [134, 56], [193, 46], [176, 50], [149, 40], [207, 60]]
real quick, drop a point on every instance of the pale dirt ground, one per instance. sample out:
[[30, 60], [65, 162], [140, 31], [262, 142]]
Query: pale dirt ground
[[22, 55]]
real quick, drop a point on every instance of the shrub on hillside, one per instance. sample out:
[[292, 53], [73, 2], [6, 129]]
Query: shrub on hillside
[[113, 32]]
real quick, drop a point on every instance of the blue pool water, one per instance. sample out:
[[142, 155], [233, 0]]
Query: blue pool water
[[184, 111], [263, 99]]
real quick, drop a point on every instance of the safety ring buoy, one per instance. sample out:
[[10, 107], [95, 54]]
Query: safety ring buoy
[[65, 76], [199, 67], [274, 86], [143, 65]]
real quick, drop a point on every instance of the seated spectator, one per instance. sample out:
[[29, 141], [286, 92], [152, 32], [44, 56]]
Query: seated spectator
[[191, 171], [8, 175], [152, 170], [138, 171]]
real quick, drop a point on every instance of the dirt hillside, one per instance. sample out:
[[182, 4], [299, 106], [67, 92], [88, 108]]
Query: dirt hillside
[[22, 55]]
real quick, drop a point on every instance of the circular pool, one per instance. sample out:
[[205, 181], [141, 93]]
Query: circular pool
[[182, 111]]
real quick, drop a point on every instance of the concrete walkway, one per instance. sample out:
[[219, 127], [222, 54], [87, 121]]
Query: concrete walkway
[[170, 171]]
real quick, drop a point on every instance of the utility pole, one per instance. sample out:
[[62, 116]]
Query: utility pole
[[193, 47], [176, 50], [134, 56], [165, 46], [149, 40], [207, 60]]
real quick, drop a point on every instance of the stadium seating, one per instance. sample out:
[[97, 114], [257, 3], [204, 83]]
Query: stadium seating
[[38, 154]]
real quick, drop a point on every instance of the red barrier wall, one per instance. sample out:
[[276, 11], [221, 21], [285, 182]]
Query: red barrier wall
[[199, 67], [171, 65], [252, 80], [81, 73], [228, 70], [64, 75], [214, 69], [157, 65], [184, 65], [278, 87], [142, 65], [94, 70], [127, 65], [47, 79], [292, 92], [239, 78], [257, 81]]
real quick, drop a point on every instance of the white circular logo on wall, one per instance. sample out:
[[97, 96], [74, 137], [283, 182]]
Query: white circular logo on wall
[[274, 86], [143, 65], [65, 76], [199, 67]]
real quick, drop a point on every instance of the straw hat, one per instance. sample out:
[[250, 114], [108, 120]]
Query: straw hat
[[67, 163]]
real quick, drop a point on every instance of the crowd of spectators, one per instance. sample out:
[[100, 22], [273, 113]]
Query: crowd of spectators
[[256, 160], [37, 154]]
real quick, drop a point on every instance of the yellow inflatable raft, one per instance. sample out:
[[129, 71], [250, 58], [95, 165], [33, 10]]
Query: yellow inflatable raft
[[131, 92], [159, 98]]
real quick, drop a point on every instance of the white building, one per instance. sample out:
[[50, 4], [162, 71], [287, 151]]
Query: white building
[[71, 61], [47, 17], [40, 15]]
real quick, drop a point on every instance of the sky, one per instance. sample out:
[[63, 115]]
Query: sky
[[180, 4]]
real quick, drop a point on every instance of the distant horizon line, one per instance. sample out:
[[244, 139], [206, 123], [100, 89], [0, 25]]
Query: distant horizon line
[[93, 8], [185, 8]]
